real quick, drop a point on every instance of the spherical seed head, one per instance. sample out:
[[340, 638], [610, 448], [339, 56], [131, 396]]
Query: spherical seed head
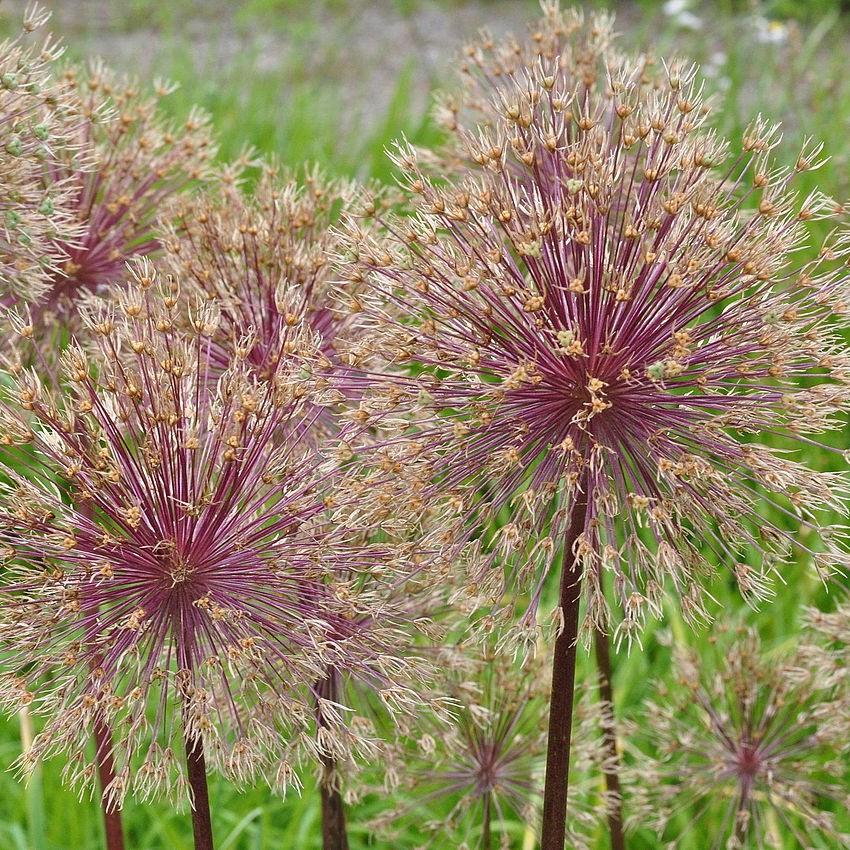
[[37, 117], [747, 739], [128, 161], [489, 753], [176, 561], [265, 257], [621, 314], [574, 50]]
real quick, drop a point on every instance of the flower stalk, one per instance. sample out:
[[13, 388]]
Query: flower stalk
[[486, 832], [334, 833], [563, 686], [112, 825], [196, 770], [611, 763]]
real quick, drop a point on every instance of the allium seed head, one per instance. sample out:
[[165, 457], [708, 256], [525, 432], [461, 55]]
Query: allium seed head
[[128, 161], [486, 761], [177, 562], [265, 258], [621, 313], [37, 119], [745, 739], [574, 53]]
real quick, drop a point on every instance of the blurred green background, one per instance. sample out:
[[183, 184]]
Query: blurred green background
[[335, 82]]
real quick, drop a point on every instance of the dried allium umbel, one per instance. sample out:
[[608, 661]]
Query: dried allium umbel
[[265, 258], [480, 771], [749, 741], [476, 777], [618, 326], [199, 570], [575, 48], [136, 160], [36, 124]]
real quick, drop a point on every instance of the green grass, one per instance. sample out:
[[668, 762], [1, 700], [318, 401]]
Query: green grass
[[297, 117]]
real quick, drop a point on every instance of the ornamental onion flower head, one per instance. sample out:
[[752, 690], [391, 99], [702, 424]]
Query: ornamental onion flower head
[[265, 258], [574, 47], [477, 772], [176, 563], [36, 123], [617, 305], [747, 739], [486, 761], [138, 160]]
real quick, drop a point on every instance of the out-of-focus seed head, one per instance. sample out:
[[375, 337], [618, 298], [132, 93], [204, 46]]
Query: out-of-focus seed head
[[177, 561], [265, 258], [126, 162], [614, 304], [37, 120], [487, 761], [745, 738]]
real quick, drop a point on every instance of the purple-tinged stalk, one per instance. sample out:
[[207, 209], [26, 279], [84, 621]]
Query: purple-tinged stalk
[[608, 722], [37, 120], [214, 570], [407, 633], [610, 309], [113, 827], [334, 832], [410, 667], [562, 692], [749, 739], [196, 776]]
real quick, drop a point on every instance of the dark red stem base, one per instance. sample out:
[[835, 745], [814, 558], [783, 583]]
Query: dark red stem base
[[563, 687], [334, 832], [196, 769], [611, 767], [113, 828]]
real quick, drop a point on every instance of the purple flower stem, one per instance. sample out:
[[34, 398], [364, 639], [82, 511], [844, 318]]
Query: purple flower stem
[[334, 832], [563, 687], [611, 765], [112, 826], [334, 835], [196, 769], [486, 837]]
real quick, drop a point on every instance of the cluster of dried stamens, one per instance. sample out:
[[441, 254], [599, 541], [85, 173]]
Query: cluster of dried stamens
[[747, 739], [178, 562], [607, 305], [37, 125]]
